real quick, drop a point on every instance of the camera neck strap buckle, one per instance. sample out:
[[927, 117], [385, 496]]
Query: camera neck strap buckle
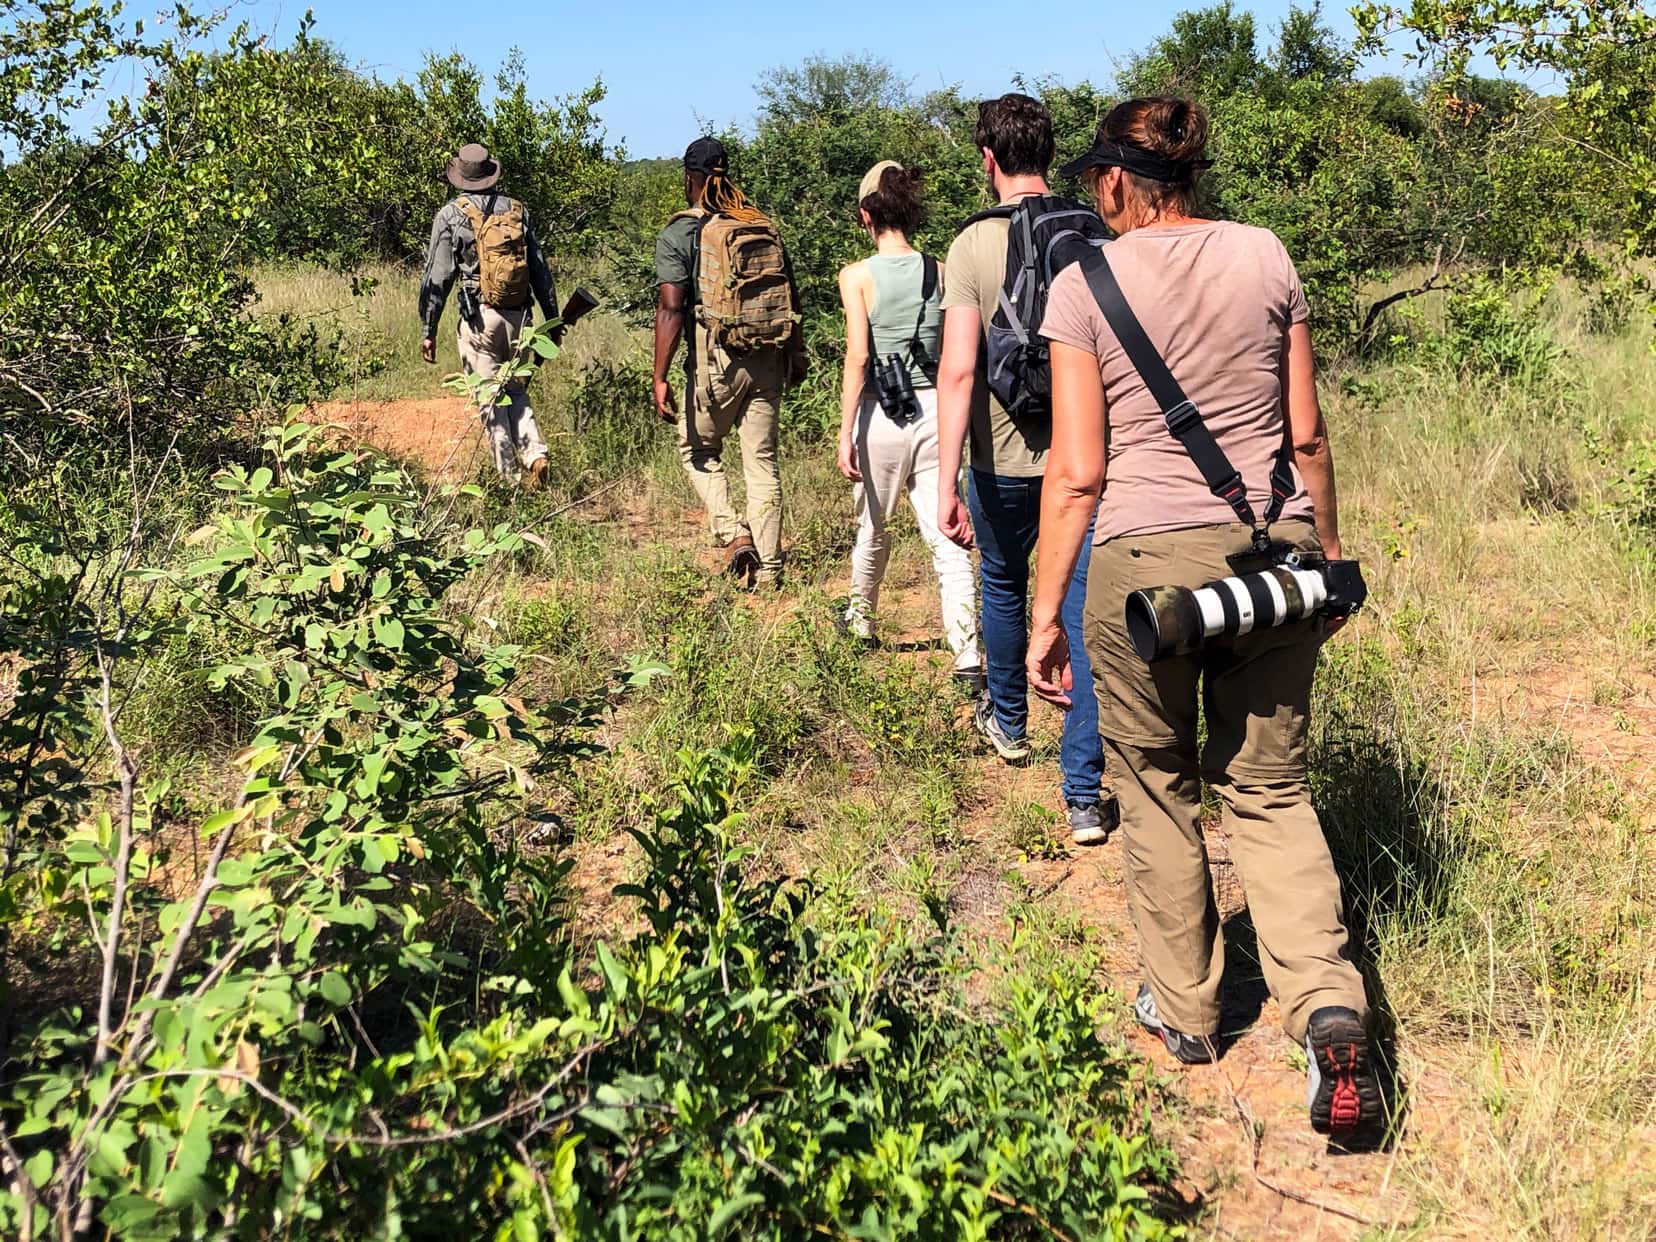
[[1181, 417]]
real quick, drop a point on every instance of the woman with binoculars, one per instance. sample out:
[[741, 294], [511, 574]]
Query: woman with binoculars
[[1184, 393], [888, 407]]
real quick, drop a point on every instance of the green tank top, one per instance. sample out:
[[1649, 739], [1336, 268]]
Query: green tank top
[[898, 279]]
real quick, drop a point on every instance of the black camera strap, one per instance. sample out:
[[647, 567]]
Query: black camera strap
[[1184, 420]]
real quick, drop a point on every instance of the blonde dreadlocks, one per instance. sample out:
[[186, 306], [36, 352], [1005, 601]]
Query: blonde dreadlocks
[[720, 196]]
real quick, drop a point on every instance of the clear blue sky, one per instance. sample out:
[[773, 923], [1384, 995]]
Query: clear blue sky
[[669, 65]]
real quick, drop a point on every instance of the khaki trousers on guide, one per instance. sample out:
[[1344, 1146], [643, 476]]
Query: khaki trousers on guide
[[509, 428], [740, 393], [1255, 693]]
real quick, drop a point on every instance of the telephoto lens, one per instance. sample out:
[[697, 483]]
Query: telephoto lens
[[1168, 620]]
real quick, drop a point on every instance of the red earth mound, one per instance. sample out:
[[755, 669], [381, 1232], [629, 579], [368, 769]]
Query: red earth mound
[[438, 432]]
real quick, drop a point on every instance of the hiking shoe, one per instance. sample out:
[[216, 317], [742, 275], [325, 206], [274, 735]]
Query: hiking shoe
[[1091, 823], [1186, 1049], [742, 562], [535, 476], [1012, 749], [1343, 1094], [861, 634]]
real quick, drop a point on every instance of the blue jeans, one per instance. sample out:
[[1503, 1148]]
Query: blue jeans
[[1006, 516]]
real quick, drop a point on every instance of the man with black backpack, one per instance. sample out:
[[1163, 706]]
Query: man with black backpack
[[994, 381], [725, 286], [483, 240]]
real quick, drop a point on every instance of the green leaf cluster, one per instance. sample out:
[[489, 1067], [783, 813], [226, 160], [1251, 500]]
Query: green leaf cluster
[[362, 1012]]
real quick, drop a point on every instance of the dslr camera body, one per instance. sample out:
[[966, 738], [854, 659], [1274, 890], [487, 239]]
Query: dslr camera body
[[1274, 583]]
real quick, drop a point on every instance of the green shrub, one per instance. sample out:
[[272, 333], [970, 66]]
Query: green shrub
[[363, 1017], [611, 406], [1636, 499], [1494, 333], [551, 622]]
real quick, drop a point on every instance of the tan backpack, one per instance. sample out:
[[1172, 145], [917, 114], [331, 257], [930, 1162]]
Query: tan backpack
[[502, 253], [743, 295]]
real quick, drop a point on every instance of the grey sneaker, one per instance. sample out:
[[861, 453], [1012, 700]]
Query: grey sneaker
[[1343, 1092], [1188, 1049], [1012, 749], [1091, 823]]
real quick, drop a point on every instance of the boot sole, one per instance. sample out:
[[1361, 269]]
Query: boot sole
[[1348, 1097]]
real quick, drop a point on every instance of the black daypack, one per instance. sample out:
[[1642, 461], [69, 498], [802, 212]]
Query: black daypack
[[1045, 235]]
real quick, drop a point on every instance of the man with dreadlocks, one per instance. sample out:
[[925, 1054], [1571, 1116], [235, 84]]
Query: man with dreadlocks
[[721, 266]]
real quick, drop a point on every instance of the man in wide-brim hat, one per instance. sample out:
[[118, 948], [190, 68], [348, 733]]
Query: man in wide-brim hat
[[497, 280]]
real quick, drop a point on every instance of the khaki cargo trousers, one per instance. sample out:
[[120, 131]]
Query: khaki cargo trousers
[[509, 428], [1255, 694], [740, 393]]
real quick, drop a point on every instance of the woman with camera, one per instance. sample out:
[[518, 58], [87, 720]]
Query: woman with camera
[[1224, 469], [888, 406]]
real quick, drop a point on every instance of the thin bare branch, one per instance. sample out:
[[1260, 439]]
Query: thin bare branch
[[127, 774], [529, 1104]]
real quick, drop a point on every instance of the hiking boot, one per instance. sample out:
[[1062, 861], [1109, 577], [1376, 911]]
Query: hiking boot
[[1344, 1093], [535, 476], [1091, 823], [742, 562], [1186, 1049], [1012, 749], [852, 630]]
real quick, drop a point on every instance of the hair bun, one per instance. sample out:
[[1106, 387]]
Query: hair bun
[[1175, 129]]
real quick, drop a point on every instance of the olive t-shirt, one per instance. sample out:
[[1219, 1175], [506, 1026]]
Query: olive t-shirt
[[675, 252], [675, 262], [1216, 299], [977, 268]]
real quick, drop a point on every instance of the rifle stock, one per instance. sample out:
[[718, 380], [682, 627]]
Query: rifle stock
[[580, 303]]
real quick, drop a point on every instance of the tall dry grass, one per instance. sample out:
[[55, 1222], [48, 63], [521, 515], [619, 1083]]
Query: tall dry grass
[[1510, 641]]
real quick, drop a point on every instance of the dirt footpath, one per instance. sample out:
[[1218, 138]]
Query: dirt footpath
[[440, 433]]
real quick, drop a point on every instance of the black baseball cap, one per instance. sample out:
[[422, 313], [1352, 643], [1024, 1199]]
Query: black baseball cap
[[706, 155]]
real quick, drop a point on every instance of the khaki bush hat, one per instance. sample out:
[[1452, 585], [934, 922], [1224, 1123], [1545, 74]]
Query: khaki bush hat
[[473, 168], [871, 179]]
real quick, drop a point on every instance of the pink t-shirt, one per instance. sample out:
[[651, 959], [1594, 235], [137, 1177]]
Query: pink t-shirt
[[1216, 299]]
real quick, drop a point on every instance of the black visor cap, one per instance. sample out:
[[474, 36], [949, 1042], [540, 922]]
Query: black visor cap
[[1107, 154]]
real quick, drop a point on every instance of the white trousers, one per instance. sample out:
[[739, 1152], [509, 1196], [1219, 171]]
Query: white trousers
[[896, 460], [510, 427]]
